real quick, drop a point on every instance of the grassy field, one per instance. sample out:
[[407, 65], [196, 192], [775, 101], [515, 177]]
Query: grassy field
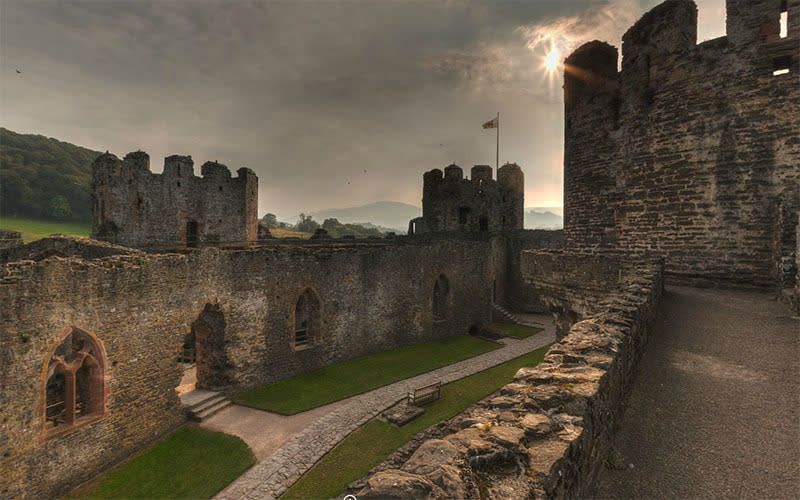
[[288, 233], [189, 463], [371, 444], [513, 330], [333, 383], [33, 229]]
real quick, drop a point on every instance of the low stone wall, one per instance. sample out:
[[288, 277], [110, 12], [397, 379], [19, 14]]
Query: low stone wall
[[546, 434], [63, 246], [10, 239]]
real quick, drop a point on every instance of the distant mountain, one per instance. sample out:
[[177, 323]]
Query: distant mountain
[[556, 210], [535, 219], [44, 177], [391, 215]]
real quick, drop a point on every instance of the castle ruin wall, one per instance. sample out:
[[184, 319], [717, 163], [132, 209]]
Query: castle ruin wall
[[141, 306], [691, 151]]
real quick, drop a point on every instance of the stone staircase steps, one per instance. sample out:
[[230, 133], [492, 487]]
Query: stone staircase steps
[[509, 316], [200, 404]]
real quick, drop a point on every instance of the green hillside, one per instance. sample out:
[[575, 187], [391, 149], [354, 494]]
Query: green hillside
[[44, 178]]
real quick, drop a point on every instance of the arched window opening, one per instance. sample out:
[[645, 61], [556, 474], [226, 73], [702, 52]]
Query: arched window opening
[[441, 295], [75, 387], [306, 320]]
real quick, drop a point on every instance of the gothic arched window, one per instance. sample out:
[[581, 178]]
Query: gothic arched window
[[75, 381]]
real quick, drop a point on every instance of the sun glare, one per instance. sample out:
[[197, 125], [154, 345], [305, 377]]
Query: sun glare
[[551, 61]]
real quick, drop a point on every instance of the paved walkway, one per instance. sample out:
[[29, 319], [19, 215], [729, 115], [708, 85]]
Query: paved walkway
[[272, 476], [715, 408]]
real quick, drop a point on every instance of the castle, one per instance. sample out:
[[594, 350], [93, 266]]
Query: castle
[[452, 203], [686, 160], [133, 206]]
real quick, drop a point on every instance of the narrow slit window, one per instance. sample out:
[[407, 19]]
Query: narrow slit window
[[781, 65], [784, 19]]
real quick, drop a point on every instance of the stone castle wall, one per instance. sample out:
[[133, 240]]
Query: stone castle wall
[[133, 206], [691, 151], [479, 204], [373, 297]]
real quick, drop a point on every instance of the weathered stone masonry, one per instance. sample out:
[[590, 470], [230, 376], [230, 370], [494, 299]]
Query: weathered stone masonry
[[139, 306], [135, 207], [691, 151], [452, 203]]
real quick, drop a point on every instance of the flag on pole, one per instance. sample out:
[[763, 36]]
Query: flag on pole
[[493, 123]]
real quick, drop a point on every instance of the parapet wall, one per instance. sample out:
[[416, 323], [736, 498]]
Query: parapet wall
[[691, 151], [134, 207], [372, 297], [547, 434]]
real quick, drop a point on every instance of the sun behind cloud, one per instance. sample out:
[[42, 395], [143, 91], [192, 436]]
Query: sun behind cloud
[[552, 59]]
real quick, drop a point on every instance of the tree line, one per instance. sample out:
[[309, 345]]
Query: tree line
[[44, 178]]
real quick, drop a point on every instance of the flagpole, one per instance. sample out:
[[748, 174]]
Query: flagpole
[[497, 150]]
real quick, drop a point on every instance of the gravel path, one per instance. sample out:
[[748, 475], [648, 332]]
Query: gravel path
[[272, 476], [715, 408]]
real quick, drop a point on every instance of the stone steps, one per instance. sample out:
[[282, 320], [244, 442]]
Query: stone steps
[[509, 316], [200, 404]]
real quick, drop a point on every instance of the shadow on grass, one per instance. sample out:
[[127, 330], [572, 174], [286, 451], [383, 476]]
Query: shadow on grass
[[189, 463]]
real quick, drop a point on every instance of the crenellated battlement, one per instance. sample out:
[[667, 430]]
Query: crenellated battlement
[[136, 207], [690, 150], [451, 202]]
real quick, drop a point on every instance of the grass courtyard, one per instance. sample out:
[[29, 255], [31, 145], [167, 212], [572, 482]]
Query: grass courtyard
[[359, 375], [371, 444], [189, 463], [34, 229]]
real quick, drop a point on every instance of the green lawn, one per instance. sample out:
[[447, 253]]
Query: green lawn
[[34, 229], [371, 444], [333, 383], [513, 330], [189, 463]]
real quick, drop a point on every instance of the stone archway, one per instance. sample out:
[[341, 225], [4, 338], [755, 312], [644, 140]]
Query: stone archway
[[213, 365]]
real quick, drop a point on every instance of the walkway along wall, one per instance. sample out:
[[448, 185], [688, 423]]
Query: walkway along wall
[[125, 316]]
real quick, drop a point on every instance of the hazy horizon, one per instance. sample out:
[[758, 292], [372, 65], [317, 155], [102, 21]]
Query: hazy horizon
[[333, 104]]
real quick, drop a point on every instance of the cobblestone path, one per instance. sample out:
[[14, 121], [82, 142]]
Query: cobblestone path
[[271, 477]]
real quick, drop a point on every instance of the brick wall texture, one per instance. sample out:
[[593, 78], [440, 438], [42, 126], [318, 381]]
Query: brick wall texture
[[690, 151]]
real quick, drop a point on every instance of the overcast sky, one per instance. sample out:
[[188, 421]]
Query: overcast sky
[[332, 103]]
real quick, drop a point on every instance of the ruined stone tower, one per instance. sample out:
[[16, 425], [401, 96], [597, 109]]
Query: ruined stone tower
[[452, 203], [135, 207], [690, 151]]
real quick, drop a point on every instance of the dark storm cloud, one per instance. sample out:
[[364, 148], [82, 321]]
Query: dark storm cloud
[[308, 94]]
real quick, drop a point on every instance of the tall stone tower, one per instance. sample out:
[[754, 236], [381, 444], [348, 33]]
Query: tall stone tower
[[480, 204]]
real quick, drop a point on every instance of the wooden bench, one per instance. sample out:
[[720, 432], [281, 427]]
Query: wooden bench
[[425, 394]]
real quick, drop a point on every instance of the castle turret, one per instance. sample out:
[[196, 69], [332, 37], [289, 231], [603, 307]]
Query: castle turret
[[591, 107], [178, 166], [453, 172], [512, 192], [137, 161], [106, 186], [481, 174]]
